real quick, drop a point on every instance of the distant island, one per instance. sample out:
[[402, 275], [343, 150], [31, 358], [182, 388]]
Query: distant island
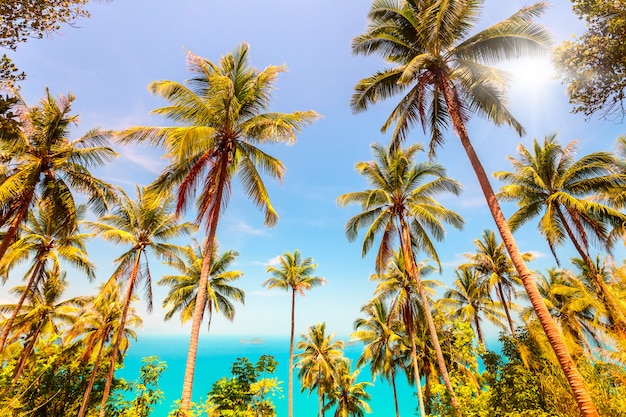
[[253, 341]]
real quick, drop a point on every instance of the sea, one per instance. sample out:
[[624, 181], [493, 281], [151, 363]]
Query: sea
[[216, 355]]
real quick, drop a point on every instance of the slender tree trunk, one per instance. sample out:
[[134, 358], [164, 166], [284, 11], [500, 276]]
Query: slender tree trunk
[[192, 352], [479, 331], [320, 401], [120, 333], [32, 281], [25, 354], [505, 306], [575, 380], [92, 379], [395, 393], [293, 316], [405, 243], [427, 393], [9, 237], [418, 378]]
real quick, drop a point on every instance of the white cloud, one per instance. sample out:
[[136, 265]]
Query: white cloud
[[148, 162], [245, 228], [274, 261]]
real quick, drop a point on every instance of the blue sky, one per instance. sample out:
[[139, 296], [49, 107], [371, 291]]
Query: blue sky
[[109, 60]]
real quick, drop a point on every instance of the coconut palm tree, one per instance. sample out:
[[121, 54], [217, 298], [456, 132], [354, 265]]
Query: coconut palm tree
[[95, 329], [447, 76], [402, 204], [221, 118], [183, 288], [45, 241], [295, 274], [144, 225], [381, 335], [348, 396], [318, 362], [44, 164], [548, 181], [492, 261], [469, 299]]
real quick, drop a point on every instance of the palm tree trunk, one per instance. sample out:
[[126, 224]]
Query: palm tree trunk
[[92, 379], [505, 306], [479, 331], [17, 221], [120, 332], [427, 393], [405, 243], [575, 380], [418, 378], [320, 401], [395, 393], [192, 352], [26, 353], [29, 287], [290, 388]]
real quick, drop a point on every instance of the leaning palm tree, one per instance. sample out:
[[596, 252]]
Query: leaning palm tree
[[492, 261], [143, 225], [295, 274], [221, 117], [470, 300], [402, 204], [449, 77], [549, 182], [183, 291], [44, 164], [381, 334], [45, 241], [318, 362], [348, 396]]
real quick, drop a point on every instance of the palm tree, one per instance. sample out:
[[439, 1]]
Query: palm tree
[[43, 313], [469, 299], [96, 326], [183, 288], [318, 361], [145, 224], [293, 273], [381, 335], [348, 396], [492, 261], [44, 164], [449, 77], [221, 118], [45, 241], [403, 204], [549, 182]]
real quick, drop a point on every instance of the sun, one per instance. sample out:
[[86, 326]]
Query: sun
[[530, 73]]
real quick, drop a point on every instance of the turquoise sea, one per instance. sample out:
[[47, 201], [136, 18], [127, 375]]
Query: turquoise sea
[[217, 353]]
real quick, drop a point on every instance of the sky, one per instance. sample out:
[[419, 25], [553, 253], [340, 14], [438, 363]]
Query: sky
[[108, 61]]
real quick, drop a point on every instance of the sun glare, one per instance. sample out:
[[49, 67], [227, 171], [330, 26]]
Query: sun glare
[[530, 74]]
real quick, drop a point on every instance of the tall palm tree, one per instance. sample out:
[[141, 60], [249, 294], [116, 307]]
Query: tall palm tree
[[183, 288], [95, 329], [492, 261], [143, 225], [402, 204], [221, 117], [318, 361], [397, 285], [45, 241], [348, 396], [469, 299], [295, 274], [44, 164], [381, 334], [549, 182], [449, 77]]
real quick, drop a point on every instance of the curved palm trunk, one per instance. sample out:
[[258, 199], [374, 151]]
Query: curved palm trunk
[[405, 243], [92, 380], [418, 378], [118, 338], [29, 287], [192, 352], [427, 393], [575, 380], [26, 353], [479, 331], [9, 237], [505, 306], [395, 393], [290, 388]]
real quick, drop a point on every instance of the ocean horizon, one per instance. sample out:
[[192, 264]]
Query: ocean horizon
[[217, 353]]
